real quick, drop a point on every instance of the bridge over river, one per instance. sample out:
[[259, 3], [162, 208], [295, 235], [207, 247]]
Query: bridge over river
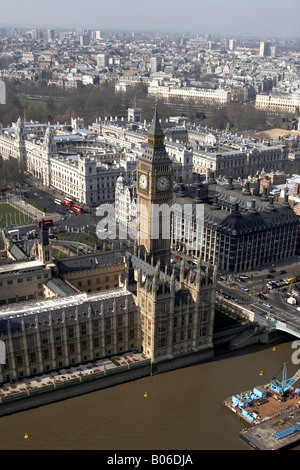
[[291, 327]]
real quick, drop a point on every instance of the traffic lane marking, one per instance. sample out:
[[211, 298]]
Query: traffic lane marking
[[249, 291]]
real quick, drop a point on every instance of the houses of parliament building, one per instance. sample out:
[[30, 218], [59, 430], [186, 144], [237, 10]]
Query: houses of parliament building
[[166, 313]]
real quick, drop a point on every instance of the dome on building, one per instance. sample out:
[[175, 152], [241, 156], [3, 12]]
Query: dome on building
[[121, 179]]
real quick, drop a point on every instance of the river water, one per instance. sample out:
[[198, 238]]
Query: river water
[[183, 411]]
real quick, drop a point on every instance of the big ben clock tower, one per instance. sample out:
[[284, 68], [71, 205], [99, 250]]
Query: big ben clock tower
[[154, 196]]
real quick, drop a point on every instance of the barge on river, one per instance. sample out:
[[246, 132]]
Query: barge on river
[[272, 410]]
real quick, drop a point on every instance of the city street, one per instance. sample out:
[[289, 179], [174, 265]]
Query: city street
[[247, 291]]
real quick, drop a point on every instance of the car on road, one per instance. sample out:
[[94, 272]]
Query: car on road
[[262, 297], [226, 296], [245, 288], [267, 305], [178, 257]]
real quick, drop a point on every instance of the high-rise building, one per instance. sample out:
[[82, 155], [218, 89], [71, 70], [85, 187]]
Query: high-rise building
[[155, 64], [264, 49], [232, 44], [84, 39], [154, 189], [176, 309], [102, 60], [50, 34]]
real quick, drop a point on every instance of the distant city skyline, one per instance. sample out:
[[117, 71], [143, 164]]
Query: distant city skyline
[[255, 18]]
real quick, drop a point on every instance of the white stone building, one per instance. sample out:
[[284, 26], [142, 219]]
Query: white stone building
[[217, 97], [83, 178], [126, 206], [278, 103]]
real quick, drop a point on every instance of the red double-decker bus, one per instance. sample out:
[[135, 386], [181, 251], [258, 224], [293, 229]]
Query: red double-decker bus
[[68, 202], [47, 222], [4, 189], [77, 208]]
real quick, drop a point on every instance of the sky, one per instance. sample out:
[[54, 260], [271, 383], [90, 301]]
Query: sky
[[256, 18]]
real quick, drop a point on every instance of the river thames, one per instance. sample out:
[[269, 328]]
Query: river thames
[[183, 410]]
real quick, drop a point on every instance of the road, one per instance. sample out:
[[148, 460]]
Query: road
[[257, 284], [46, 198]]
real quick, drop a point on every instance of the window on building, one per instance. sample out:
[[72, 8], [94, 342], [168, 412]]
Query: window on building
[[32, 358], [108, 339], [71, 333], [57, 334], [19, 361], [46, 354]]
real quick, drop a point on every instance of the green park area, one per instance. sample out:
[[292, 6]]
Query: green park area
[[38, 205], [58, 254], [11, 216]]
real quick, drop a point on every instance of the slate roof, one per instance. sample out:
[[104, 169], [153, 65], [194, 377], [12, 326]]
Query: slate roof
[[249, 213], [89, 261], [17, 253], [40, 311], [59, 287]]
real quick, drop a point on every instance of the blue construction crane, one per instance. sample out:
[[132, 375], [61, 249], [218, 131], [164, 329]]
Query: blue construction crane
[[283, 386]]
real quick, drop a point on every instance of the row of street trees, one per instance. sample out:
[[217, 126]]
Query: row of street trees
[[10, 174], [49, 103]]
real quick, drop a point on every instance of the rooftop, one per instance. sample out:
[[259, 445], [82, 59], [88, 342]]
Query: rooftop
[[21, 267], [55, 309], [89, 261]]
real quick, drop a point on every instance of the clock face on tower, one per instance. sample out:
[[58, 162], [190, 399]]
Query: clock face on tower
[[162, 183], [143, 181]]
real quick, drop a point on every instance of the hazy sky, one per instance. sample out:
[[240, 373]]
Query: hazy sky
[[264, 18]]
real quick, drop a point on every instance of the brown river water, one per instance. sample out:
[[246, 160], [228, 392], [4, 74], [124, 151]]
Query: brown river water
[[183, 410]]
